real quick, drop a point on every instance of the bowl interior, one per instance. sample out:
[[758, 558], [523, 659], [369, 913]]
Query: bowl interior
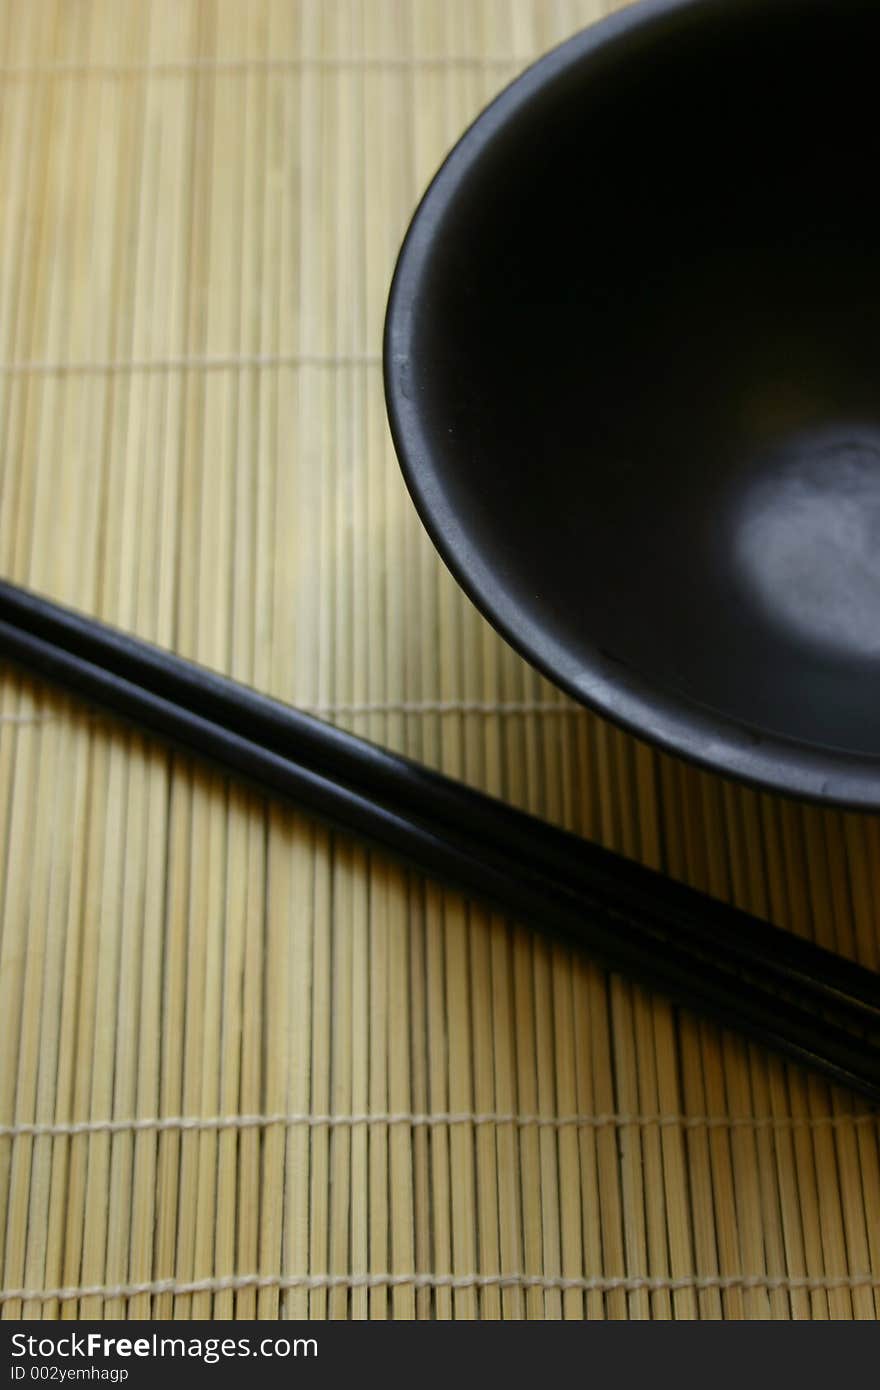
[[640, 357]]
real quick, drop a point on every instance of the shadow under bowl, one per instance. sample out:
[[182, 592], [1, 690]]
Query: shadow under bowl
[[632, 368]]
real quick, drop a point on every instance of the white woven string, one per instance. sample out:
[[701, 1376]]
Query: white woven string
[[629, 1284], [416, 1120], [243, 66], [447, 707], [402, 707], [214, 363]]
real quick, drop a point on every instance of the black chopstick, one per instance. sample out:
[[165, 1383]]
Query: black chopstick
[[630, 918], [603, 880]]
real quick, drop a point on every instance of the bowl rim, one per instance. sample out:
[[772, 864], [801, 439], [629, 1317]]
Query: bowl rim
[[675, 722]]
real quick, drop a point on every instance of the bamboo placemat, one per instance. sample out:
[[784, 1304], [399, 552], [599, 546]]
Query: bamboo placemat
[[247, 1068]]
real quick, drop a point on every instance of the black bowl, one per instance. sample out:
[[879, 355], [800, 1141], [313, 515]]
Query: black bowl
[[632, 366]]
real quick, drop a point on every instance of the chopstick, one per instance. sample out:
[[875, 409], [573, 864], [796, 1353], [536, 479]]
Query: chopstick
[[603, 879], [779, 989]]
